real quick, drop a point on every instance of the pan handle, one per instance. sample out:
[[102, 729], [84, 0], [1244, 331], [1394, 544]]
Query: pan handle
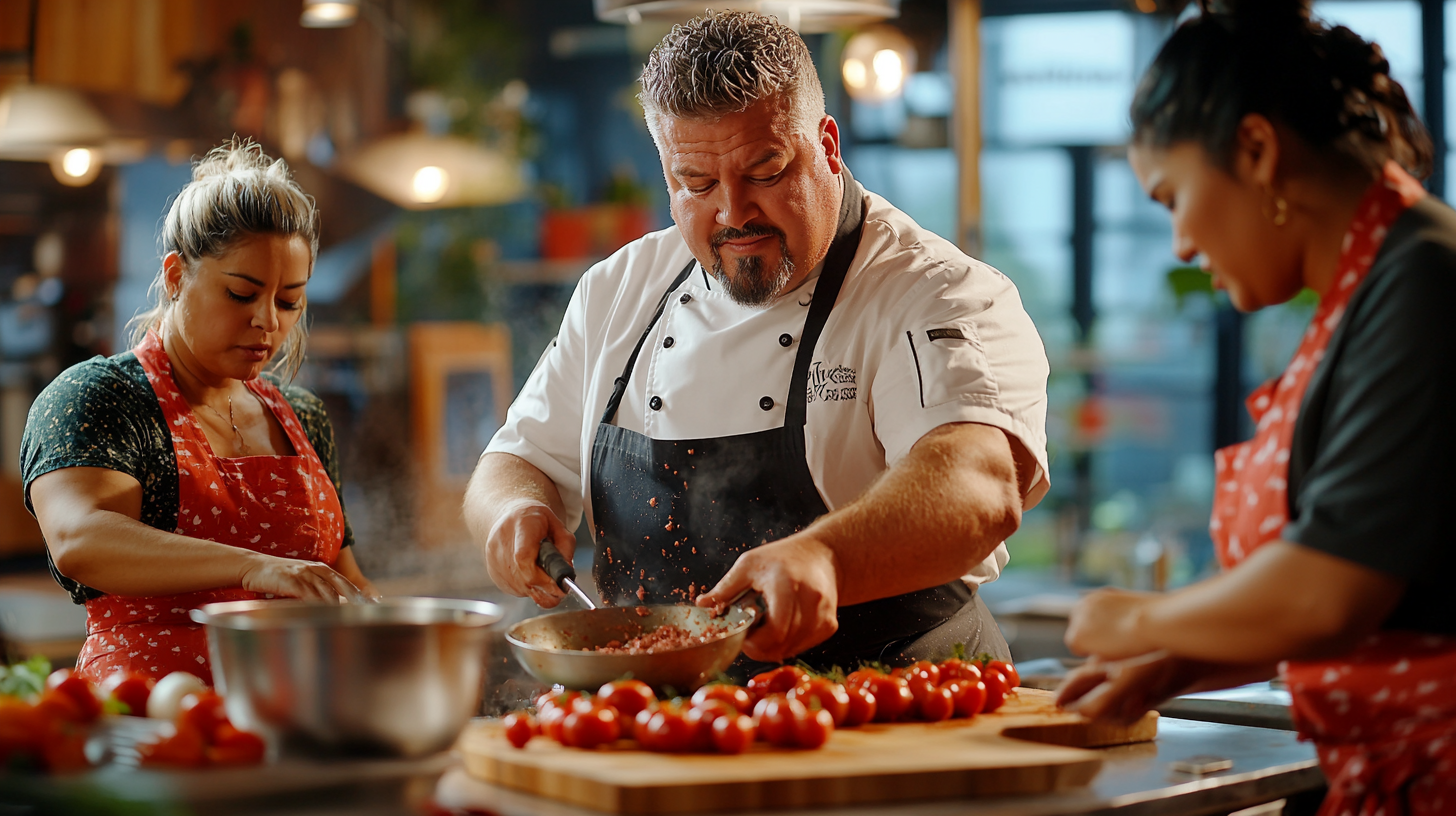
[[555, 565], [749, 598]]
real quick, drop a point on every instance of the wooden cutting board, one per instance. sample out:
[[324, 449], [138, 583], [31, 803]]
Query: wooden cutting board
[[1029, 746]]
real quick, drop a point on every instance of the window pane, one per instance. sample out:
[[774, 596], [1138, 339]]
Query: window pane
[[1058, 78]]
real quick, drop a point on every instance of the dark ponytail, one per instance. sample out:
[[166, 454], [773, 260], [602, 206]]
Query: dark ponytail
[[1328, 85]]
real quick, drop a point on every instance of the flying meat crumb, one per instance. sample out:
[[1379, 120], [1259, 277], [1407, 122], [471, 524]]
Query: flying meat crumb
[[652, 502], [641, 593]]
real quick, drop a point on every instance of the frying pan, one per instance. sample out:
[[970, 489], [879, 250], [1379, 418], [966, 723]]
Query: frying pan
[[551, 647]]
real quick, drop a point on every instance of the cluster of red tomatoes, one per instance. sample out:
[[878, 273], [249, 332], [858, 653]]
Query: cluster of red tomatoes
[[49, 733], [204, 736], [785, 707]]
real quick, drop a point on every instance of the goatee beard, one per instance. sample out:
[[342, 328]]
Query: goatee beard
[[752, 284]]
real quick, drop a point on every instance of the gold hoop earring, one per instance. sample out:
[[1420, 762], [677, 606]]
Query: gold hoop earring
[[1281, 211]]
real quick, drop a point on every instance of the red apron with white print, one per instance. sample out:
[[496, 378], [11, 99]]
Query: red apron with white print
[[1383, 716], [279, 505]]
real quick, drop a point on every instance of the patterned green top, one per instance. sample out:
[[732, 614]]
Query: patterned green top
[[103, 413]]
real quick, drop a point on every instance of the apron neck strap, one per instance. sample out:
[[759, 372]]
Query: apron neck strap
[[831, 280], [609, 416]]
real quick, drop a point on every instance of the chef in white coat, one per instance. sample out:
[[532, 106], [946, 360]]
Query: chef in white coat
[[795, 388]]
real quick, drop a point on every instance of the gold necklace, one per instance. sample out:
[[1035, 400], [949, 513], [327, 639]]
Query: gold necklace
[[242, 443]]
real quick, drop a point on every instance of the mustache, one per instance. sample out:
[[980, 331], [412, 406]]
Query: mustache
[[727, 234]]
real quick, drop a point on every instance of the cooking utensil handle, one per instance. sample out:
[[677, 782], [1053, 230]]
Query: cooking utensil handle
[[750, 598], [555, 564]]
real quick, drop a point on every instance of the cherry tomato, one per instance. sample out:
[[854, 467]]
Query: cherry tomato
[[76, 687], [556, 697], [968, 696], [203, 710], [737, 696], [733, 734], [665, 730], [129, 688], [520, 728], [63, 747], [936, 704], [924, 670], [1013, 677], [700, 719], [186, 748], [57, 706], [862, 677], [598, 724], [550, 721], [232, 746], [955, 669], [21, 726], [812, 729], [774, 718], [861, 706], [775, 681], [996, 689], [627, 696], [893, 698], [831, 697]]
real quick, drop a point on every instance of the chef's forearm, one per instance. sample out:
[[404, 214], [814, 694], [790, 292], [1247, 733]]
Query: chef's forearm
[[501, 481], [930, 519], [1285, 601]]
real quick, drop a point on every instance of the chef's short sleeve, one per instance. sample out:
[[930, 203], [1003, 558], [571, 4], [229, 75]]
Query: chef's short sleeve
[[91, 415], [1371, 464], [963, 349], [544, 425]]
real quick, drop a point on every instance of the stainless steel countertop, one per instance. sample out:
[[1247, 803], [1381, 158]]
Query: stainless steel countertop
[[1135, 780]]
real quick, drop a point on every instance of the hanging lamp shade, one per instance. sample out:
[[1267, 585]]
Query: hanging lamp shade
[[418, 171], [39, 121], [806, 16]]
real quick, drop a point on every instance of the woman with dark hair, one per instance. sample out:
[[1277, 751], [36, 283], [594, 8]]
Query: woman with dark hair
[[1288, 158], [179, 474]]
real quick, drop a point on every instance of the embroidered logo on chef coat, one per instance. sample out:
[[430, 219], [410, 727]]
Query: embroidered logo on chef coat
[[836, 384]]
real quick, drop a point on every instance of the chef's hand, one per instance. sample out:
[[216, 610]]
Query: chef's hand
[[1105, 623], [1124, 690], [292, 578], [513, 544], [796, 577]]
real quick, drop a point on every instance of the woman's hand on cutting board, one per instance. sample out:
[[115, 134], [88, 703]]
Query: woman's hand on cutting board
[[1124, 690], [797, 579]]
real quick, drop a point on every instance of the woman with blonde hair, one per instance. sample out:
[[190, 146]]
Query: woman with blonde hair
[[178, 473]]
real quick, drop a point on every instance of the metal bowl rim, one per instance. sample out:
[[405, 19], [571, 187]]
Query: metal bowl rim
[[232, 615], [515, 641]]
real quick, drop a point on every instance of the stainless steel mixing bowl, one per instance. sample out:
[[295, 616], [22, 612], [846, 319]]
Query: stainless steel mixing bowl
[[550, 646], [400, 677]]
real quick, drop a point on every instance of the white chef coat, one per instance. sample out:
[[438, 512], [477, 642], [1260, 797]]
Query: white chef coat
[[888, 368]]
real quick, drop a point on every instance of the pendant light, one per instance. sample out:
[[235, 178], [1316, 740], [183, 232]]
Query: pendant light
[[876, 63], [806, 16], [56, 125], [419, 171], [329, 13]]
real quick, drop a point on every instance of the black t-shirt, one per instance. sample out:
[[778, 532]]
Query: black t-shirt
[[103, 413], [1373, 461]]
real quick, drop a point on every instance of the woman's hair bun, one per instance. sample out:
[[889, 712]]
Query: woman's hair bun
[[237, 156]]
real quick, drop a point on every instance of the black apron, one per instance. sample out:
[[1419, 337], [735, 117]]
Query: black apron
[[672, 515]]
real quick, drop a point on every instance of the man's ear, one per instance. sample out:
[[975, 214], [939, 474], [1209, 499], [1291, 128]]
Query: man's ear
[[1257, 151], [829, 140]]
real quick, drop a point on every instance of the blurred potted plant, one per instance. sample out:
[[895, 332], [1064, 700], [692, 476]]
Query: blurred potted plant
[[595, 230]]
